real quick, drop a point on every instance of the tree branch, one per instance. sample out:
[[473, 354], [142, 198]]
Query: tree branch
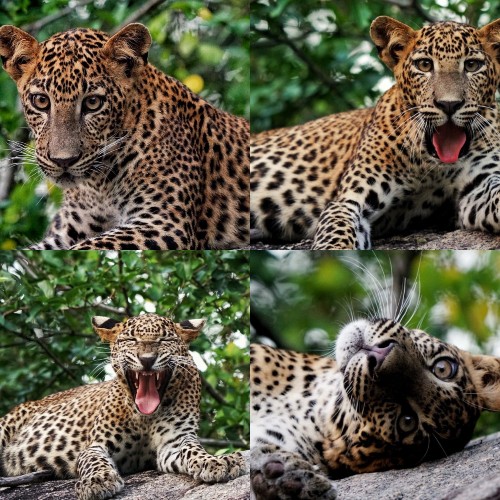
[[128, 309], [56, 360], [47, 351], [11, 164], [306, 59], [261, 328], [139, 13], [15, 344], [214, 393], [32, 477], [221, 443], [7, 172], [36, 26]]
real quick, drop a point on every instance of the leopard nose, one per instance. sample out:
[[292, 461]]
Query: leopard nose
[[147, 361], [65, 162], [449, 107], [376, 355]]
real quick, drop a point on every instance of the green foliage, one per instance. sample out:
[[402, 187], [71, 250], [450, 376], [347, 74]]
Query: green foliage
[[301, 300], [310, 59], [295, 292], [204, 44], [47, 299]]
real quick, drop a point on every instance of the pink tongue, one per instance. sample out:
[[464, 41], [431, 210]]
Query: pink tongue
[[448, 140], [147, 398]]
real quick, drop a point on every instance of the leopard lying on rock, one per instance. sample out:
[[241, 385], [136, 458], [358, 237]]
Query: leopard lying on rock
[[147, 417], [144, 163], [393, 398], [429, 149]]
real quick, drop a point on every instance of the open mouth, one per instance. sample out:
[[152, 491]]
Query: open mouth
[[148, 388], [448, 142]]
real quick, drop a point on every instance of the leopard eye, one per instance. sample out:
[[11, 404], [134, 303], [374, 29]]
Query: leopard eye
[[407, 423], [22, 60], [472, 65], [425, 65], [40, 101], [127, 339], [92, 103], [445, 368]]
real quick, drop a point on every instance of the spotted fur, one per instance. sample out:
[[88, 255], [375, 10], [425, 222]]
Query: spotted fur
[[144, 162], [99, 431], [393, 398], [346, 177]]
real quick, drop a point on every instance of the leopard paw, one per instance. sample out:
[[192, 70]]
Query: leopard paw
[[221, 469], [99, 486], [285, 476]]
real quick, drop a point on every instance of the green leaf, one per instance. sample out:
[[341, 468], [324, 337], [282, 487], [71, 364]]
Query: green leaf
[[46, 288]]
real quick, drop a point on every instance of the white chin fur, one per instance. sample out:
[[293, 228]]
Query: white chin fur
[[349, 341]]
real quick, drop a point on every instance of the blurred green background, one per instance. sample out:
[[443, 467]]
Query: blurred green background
[[204, 44], [314, 58], [47, 343], [300, 300]]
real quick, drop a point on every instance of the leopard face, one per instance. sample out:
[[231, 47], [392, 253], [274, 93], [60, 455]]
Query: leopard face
[[147, 351], [447, 75], [144, 162], [394, 398], [430, 140], [147, 417], [75, 105], [412, 396]]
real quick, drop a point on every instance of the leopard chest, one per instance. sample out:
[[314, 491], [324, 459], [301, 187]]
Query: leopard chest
[[425, 198], [131, 448]]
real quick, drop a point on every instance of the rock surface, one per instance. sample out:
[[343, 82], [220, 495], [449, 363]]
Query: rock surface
[[473, 474], [148, 485], [458, 239]]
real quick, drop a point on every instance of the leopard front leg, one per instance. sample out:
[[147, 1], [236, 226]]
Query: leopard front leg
[[189, 457], [60, 235], [98, 475], [166, 230], [479, 204], [342, 226], [140, 236], [278, 474]]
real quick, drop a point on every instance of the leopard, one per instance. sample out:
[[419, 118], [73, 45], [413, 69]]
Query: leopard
[[142, 161], [392, 398], [146, 417], [426, 155]]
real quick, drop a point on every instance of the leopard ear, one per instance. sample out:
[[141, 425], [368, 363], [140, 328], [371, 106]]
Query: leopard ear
[[17, 50], [129, 48], [108, 329], [490, 36], [485, 373], [189, 329], [391, 37]]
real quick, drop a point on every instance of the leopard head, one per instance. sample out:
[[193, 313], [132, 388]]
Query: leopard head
[[147, 353], [447, 74], [407, 397], [76, 89]]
